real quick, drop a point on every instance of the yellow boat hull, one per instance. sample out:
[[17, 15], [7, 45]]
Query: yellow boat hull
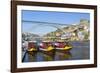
[[65, 48], [32, 49], [48, 51], [50, 48]]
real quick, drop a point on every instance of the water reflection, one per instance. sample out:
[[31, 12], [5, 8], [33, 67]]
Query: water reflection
[[41, 56], [47, 57], [30, 57], [62, 56]]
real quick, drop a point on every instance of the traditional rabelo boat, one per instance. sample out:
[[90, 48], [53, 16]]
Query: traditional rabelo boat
[[63, 47], [46, 47], [32, 47]]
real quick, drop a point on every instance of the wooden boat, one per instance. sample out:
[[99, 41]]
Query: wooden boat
[[63, 47], [47, 48], [32, 47]]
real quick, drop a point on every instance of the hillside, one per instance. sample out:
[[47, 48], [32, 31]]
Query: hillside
[[79, 31]]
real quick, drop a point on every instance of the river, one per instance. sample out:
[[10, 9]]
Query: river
[[80, 51]]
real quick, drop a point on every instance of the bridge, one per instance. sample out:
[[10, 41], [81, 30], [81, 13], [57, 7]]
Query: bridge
[[55, 25]]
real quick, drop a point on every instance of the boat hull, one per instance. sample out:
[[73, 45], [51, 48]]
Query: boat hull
[[63, 50], [31, 52]]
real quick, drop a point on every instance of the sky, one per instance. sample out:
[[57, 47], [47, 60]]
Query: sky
[[51, 17]]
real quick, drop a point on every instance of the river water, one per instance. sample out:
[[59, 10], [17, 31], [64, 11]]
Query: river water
[[80, 51]]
